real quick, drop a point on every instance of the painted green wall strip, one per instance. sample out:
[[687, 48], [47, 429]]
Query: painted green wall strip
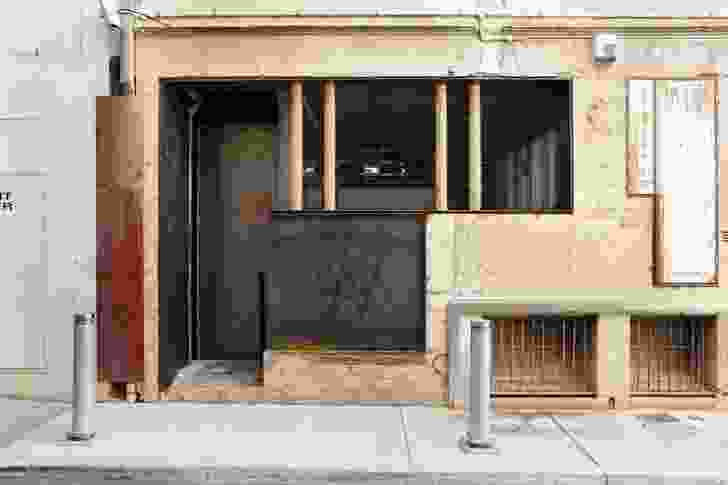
[[252, 143]]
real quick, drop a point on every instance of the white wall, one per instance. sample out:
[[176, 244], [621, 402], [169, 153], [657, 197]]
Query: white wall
[[60, 85]]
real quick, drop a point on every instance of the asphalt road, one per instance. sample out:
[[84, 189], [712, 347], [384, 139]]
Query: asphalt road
[[255, 477]]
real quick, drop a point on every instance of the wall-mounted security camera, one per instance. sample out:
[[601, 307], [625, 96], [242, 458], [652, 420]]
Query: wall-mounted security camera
[[604, 47]]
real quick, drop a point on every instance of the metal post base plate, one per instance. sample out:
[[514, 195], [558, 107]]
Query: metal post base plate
[[79, 436], [467, 447]]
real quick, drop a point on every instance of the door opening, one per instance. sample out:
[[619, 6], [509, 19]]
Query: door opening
[[218, 145]]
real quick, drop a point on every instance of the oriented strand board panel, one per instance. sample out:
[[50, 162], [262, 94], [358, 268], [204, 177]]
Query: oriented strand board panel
[[24, 271], [686, 181]]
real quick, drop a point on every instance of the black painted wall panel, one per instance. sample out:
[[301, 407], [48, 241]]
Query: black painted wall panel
[[354, 282], [173, 223]]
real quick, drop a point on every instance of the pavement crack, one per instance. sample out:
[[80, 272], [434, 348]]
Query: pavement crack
[[403, 419], [579, 446]]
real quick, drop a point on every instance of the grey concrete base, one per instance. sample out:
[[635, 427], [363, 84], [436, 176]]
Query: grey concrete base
[[218, 372], [267, 359], [467, 447]]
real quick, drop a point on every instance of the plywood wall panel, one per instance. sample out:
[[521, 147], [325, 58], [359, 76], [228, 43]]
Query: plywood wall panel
[[566, 251], [368, 377], [582, 253], [148, 93], [295, 55]]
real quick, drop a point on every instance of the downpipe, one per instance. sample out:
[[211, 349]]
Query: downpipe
[[192, 214]]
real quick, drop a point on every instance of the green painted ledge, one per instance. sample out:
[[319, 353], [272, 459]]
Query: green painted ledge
[[509, 306]]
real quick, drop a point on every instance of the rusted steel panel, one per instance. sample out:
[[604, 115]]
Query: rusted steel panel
[[119, 161]]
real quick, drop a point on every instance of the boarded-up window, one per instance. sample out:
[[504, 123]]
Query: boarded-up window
[[673, 123], [686, 180]]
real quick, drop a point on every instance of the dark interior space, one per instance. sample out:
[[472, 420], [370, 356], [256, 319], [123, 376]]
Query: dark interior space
[[312, 133], [527, 144], [458, 184], [217, 143], [115, 86], [386, 136], [384, 144]]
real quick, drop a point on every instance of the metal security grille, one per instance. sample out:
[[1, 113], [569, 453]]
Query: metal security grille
[[545, 355], [668, 355]]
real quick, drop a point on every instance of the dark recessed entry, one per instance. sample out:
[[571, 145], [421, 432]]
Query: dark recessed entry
[[232, 283]]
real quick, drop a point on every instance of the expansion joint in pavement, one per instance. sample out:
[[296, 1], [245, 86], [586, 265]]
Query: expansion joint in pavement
[[403, 419], [580, 446]]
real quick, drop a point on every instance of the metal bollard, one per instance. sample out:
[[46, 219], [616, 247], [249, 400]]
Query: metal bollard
[[84, 375], [478, 438]]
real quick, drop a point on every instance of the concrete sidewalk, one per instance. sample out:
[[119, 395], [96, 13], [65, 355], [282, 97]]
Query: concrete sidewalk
[[416, 441], [19, 416]]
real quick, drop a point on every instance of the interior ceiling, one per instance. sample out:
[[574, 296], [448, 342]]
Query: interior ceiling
[[402, 92], [228, 87]]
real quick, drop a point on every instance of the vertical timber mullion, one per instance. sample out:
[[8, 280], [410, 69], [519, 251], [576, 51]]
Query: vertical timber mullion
[[328, 181], [295, 145], [440, 168]]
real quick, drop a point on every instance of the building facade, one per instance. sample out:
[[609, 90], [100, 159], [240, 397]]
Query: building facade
[[550, 206], [311, 206]]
